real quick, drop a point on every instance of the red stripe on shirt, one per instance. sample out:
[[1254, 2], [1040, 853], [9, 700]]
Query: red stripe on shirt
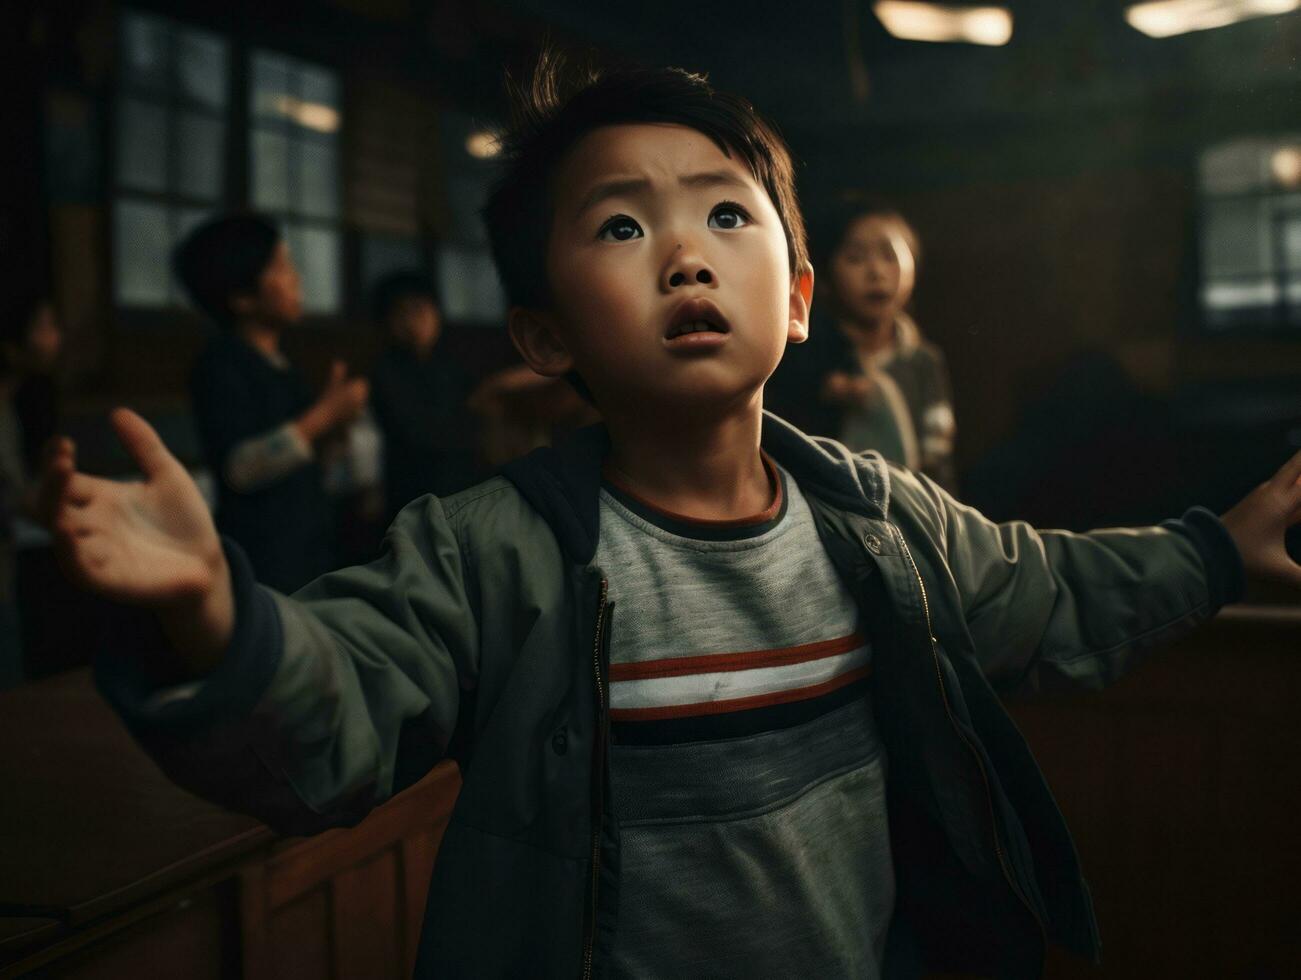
[[748, 660], [739, 704]]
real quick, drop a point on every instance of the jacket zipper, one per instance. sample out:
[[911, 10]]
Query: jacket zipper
[[944, 697], [590, 939]]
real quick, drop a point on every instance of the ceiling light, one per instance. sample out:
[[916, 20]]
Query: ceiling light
[[1286, 165], [482, 144], [310, 115], [915, 21], [1165, 18]]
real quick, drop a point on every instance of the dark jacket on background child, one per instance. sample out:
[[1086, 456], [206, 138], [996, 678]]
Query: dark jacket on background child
[[485, 626], [419, 407], [284, 524]]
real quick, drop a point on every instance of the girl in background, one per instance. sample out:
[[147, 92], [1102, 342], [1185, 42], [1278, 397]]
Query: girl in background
[[868, 377]]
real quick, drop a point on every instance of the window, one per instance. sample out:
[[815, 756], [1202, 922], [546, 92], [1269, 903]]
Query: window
[[294, 167], [173, 155], [468, 283], [168, 164], [1251, 234]]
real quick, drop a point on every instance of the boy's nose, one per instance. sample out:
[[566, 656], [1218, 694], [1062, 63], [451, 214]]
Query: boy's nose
[[686, 266]]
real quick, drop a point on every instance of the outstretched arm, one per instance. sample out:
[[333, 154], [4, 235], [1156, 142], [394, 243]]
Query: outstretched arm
[[1050, 608], [304, 711], [150, 543]]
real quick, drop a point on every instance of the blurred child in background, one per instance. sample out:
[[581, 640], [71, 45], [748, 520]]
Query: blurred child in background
[[417, 396], [868, 377], [258, 421]]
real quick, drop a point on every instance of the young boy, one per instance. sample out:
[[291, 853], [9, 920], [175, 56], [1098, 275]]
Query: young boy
[[258, 420], [725, 693], [418, 397]]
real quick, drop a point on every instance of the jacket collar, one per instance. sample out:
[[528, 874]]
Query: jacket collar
[[563, 483]]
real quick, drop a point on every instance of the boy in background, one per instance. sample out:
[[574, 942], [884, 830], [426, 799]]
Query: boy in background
[[724, 695], [418, 397], [259, 423]]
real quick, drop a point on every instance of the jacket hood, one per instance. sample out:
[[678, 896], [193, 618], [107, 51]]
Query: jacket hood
[[563, 483]]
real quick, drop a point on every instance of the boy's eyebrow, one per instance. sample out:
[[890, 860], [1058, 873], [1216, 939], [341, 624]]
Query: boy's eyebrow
[[632, 185]]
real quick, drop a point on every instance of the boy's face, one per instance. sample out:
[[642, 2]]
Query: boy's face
[[873, 270], [279, 299], [655, 230], [414, 323]]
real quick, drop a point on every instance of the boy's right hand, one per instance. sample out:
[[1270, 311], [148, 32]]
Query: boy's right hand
[[341, 402], [150, 543]]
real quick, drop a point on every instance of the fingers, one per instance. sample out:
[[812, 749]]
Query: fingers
[[1289, 473], [57, 468], [142, 442], [338, 371]]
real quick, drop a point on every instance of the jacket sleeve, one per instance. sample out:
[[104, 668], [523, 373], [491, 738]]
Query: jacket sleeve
[[326, 703], [1053, 609]]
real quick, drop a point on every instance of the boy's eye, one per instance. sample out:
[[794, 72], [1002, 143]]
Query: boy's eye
[[727, 217], [620, 228]]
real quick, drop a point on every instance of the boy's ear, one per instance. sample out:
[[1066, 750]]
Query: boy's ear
[[801, 305], [535, 337]]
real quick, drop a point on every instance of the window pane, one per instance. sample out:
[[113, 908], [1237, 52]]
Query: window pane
[[318, 85], [142, 145], [469, 286], [141, 247], [201, 147], [317, 183], [1290, 235], [316, 252], [201, 67], [1235, 238], [270, 86], [270, 170], [1240, 294], [1248, 164], [145, 42]]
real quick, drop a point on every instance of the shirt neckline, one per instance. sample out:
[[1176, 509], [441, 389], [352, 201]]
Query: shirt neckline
[[685, 526]]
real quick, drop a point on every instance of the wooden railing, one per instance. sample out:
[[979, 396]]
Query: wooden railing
[[109, 870]]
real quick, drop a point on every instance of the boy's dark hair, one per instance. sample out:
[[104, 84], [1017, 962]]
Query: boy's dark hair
[[390, 290], [548, 122], [224, 258]]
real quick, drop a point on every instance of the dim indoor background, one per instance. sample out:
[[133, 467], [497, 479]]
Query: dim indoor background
[[1109, 200]]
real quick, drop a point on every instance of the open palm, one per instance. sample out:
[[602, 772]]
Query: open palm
[[151, 542]]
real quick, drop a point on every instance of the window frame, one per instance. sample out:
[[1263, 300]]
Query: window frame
[[237, 177], [1245, 323]]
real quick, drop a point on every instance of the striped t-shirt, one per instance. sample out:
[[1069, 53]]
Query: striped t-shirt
[[747, 775]]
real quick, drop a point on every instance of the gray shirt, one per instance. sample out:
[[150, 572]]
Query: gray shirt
[[748, 778]]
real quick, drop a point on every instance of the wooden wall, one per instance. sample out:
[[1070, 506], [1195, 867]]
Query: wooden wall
[[1180, 785]]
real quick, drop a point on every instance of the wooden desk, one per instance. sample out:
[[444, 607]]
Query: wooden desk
[[107, 869]]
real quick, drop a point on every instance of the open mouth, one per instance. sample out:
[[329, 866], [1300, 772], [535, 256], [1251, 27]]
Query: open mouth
[[695, 326], [697, 316]]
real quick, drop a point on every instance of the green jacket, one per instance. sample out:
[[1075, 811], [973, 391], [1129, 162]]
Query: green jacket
[[482, 632]]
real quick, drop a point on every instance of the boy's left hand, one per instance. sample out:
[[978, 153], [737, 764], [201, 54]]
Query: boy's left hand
[[1259, 520]]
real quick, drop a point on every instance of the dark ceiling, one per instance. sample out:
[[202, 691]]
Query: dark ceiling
[[798, 60]]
